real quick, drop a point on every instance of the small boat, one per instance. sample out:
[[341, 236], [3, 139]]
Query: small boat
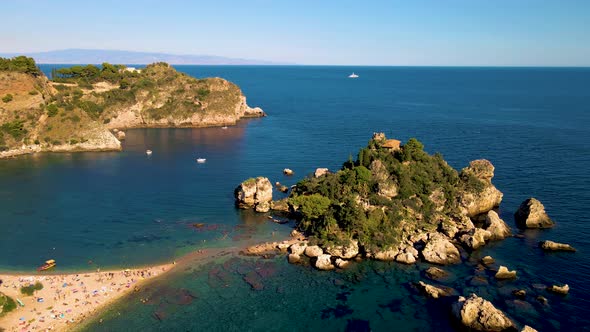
[[201, 160], [48, 265], [353, 75], [224, 127], [148, 152]]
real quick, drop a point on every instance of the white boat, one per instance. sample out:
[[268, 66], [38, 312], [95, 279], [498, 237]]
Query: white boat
[[201, 160], [353, 75], [224, 127], [148, 152]]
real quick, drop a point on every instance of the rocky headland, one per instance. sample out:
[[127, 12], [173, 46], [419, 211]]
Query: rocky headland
[[84, 108]]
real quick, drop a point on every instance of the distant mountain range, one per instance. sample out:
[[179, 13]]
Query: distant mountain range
[[90, 56]]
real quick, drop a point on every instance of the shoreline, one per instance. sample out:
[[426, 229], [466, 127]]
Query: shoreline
[[69, 298], [72, 300]]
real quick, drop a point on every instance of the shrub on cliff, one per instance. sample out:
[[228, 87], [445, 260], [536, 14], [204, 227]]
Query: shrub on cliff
[[20, 64], [7, 98]]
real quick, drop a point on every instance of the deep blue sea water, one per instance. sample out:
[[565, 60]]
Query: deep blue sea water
[[120, 209]]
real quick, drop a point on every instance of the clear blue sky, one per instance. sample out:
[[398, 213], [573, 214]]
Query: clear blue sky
[[408, 32]]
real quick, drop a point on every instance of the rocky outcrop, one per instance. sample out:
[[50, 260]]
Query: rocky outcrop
[[288, 171], [281, 205], [346, 251], [482, 197], [440, 250], [475, 238], [298, 248], [384, 255], [531, 214], [527, 328], [254, 193], [324, 262], [479, 314], [433, 291], [504, 273], [405, 258], [555, 246], [497, 227], [313, 251], [487, 260], [121, 135], [320, 172], [294, 258], [563, 290], [341, 263], [436, 273]]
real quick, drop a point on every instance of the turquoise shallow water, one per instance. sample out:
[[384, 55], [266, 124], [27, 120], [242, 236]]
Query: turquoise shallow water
[[125, 208]]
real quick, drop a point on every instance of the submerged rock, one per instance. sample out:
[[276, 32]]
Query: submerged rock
[[563, 290], [504, 273], [440, 250], [531, 214], [555, 246], [433, 291], [436, 273], [480, 315], [520, 293]]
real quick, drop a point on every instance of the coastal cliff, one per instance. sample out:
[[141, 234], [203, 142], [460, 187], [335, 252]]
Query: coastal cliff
[[81, 106]]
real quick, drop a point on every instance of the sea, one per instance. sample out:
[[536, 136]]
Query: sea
[[126, 209]]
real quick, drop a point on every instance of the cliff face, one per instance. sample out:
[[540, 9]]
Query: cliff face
[[77, 115]]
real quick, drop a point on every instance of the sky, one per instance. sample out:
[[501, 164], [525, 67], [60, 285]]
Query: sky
[[321, 32]]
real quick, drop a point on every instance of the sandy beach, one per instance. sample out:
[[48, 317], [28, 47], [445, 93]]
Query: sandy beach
[[68, 299]]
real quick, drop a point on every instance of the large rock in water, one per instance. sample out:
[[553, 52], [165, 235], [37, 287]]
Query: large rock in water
[[497, 227], [473, 202], [480, 315], [440, 250], [254, 193], [531, 214], [348, 251], [324, 262], [475, 238], [555, 246]]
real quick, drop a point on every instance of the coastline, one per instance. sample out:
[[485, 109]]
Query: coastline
[[66, 293], [67, 299]]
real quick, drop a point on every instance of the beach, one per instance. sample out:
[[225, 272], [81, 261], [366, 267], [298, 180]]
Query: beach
[[68, 299]]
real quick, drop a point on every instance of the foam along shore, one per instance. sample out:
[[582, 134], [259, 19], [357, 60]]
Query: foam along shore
[[68, 299]]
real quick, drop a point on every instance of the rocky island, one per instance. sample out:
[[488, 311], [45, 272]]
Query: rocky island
[[396, 202], [83, 108]]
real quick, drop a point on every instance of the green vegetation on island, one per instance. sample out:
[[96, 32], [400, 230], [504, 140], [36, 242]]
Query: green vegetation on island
[[77, 108], [380, 197]]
